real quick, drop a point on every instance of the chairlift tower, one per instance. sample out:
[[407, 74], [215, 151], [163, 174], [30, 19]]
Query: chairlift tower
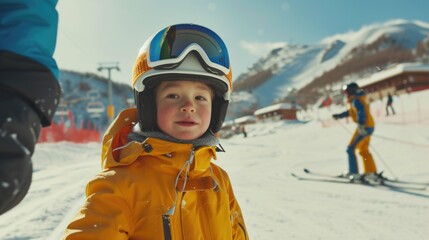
[[109, 67]]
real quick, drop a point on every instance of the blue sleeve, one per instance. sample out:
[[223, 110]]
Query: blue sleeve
[[344, 114], [360, 109], [29, 28]]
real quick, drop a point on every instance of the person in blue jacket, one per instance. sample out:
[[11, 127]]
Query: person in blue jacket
[[389, 104], [29, 89], [359, 111]]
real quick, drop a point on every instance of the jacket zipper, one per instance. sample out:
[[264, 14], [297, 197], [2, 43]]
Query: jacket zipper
[[166, 222], [166, 226], [181, 219]]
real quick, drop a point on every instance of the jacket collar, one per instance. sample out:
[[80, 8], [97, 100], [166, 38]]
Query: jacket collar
[[167, 155], [208, 139]]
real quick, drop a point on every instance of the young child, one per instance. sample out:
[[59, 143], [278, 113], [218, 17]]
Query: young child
[[158, 181], [360, 113]]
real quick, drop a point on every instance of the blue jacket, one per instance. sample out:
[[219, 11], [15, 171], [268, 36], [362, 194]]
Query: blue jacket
[[28, 32], [29, 28], [359, 110]]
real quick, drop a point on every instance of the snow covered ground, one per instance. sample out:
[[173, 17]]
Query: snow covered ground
[[275, 205]]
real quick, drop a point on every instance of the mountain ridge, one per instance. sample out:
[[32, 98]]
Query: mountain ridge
[[309, 69]]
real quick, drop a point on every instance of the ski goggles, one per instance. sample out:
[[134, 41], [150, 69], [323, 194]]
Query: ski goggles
[[171, 45]]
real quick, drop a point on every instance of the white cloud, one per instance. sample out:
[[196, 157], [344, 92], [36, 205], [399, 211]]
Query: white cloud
[[260, 48]]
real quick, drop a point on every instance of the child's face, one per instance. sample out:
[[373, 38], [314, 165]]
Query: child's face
[[183, 108]]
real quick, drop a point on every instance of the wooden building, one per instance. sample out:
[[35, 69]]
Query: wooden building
[[279, 111], [398, 79]]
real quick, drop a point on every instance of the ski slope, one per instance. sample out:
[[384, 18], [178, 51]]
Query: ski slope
[[275, 205]]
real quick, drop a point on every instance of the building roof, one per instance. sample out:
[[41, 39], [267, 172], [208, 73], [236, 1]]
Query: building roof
[[275, 107], [386, 73], [250, 118], [393, 71]]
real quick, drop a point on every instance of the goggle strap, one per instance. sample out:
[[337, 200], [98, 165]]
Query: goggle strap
[[139, 68], [182, 56]]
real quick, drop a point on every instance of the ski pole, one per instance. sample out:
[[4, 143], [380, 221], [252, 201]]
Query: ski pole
[[375, 151]]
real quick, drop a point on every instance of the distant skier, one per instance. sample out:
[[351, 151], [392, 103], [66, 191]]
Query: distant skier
[[243, 130], [359, 111], [389, 104], [29, 90]]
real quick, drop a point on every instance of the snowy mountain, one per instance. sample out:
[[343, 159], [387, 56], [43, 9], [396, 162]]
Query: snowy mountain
[[336, 59], [306, 71]]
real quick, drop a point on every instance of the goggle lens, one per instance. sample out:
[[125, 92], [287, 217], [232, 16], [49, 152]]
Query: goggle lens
[[168, 44]]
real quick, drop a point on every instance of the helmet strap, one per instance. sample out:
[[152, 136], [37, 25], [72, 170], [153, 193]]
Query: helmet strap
[[146, 109], [219, 108]]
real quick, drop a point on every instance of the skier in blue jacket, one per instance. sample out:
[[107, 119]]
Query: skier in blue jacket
[[359, 111], [29, 90]]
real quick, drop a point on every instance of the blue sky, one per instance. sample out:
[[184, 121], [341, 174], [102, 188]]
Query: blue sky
[[98, 31]]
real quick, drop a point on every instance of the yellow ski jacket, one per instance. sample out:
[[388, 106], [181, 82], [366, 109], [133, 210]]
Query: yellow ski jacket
[[156, 189], [360, 110]]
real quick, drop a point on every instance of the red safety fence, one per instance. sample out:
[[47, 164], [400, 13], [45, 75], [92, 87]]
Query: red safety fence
[[57, 132]]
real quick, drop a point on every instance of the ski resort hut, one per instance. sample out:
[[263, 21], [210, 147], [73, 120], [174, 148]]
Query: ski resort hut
[[397, 79], [276, 112]]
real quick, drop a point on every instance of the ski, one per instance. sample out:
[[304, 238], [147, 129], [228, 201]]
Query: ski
[[321, 177], [306, 170], [337, 180], [385, 179], [405, 182], [403, 187]]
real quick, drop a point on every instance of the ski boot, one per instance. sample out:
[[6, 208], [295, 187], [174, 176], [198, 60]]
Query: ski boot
[[353, 177], [373, 178]]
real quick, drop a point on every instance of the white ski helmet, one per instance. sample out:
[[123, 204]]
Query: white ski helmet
[[182, 52]]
